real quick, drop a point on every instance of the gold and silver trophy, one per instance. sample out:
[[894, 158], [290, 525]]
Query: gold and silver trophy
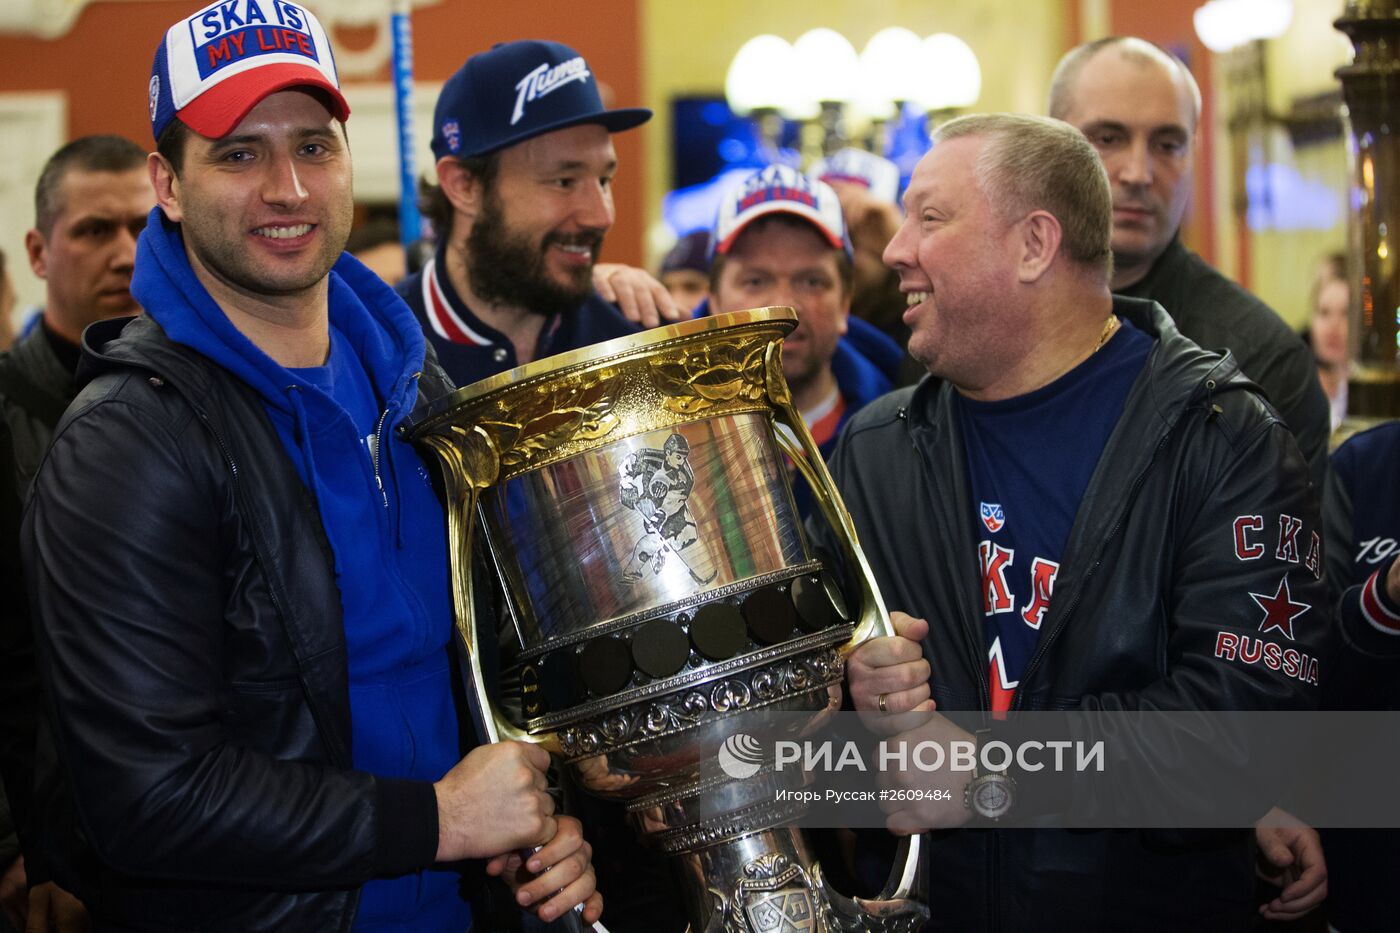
[[632, 583]]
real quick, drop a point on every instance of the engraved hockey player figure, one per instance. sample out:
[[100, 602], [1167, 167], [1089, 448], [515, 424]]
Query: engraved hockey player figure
[[657, 485]]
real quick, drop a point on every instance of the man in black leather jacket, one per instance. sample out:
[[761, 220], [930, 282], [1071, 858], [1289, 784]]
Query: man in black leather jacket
[[1139, 106], [1169, 475], [90, 203], [237, 561]]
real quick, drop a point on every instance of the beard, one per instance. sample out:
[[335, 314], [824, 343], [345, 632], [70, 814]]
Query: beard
[[505, 267]]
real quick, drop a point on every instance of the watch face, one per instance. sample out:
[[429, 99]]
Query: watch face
[[991, 795]]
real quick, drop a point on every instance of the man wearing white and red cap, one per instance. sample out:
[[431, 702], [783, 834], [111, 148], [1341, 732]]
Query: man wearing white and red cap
[[237, 564], [868, 186], [780, 240]]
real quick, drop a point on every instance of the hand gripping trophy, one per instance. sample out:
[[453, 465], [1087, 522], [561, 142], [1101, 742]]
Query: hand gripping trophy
[[621, 525]]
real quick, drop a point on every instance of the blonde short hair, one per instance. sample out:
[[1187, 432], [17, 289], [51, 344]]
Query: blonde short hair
[[1036, 163]]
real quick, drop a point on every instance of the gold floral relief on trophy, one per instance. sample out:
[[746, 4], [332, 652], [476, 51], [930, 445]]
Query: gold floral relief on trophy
[[778, 392], [536, 426], [476, 453], [713, 374]]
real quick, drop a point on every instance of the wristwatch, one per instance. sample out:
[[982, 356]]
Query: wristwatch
[[989, 796]]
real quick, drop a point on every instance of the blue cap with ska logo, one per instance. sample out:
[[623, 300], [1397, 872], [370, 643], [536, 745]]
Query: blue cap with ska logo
[[516, 91], [780, 189], [857, 167]]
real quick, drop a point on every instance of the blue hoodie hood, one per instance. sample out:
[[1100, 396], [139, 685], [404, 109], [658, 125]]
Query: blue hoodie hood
[[380, 514], [377, 323]]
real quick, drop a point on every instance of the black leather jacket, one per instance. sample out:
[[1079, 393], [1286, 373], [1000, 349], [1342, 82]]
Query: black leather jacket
[[35, 387], [1148, 580], [190, 586], [1216, 313]]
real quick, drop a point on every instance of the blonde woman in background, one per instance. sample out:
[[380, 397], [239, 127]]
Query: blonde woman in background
[[1327, 332]]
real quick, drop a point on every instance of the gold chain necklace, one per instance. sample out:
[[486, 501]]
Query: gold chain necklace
[[1109, 326]]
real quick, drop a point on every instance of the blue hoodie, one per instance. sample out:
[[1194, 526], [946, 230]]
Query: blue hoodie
[[380, 514]]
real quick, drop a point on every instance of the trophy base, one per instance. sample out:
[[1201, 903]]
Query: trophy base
[[768, 882]]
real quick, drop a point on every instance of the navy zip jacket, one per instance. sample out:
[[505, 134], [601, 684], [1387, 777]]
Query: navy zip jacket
[[1361, 506], [471, 350]]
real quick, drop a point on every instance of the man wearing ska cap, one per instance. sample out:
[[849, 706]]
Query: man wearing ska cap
[[858, 168], [238, 565], [781, 240], [525, 166]]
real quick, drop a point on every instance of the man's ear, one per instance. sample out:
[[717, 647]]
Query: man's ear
[[166, 185], [36, 248], [1041, 235], [463, 189]]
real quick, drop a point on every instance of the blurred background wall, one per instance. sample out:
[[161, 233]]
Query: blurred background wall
[[1271, 184]]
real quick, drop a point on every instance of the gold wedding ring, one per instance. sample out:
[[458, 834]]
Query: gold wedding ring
[[880, 702]]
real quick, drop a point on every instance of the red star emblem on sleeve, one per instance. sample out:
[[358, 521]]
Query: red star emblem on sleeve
[[1279, 609]]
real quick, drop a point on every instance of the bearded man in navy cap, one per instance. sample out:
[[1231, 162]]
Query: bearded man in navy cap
[[525, 166]]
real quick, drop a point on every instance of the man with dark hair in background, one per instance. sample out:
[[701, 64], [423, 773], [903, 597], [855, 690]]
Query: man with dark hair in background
[[685, 270], [1140, 108], [525, 165], [90, 205]]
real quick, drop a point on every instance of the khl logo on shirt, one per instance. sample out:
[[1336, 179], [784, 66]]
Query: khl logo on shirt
[[992, 516]]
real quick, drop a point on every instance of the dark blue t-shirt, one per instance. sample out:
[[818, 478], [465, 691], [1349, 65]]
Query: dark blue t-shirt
[[1029, 460]]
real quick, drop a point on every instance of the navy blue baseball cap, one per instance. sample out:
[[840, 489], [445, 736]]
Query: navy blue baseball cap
[[517, 91]]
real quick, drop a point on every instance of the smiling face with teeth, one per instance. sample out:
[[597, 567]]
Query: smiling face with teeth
[[537, 226], [956, 260], [265, 211]]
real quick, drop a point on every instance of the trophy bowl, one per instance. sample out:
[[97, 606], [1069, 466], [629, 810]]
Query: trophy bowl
[[631, 581]]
